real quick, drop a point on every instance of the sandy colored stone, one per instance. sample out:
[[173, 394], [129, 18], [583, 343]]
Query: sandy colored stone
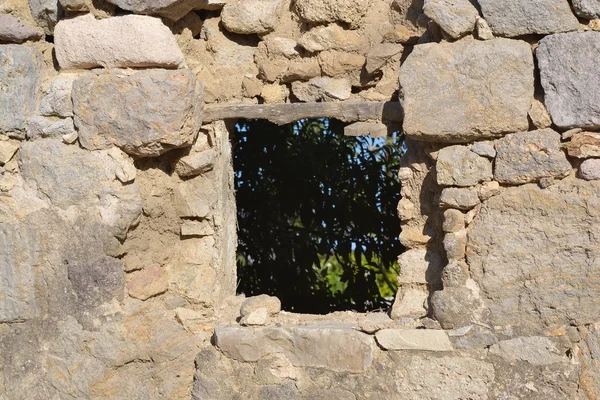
[[413, 339], [483, 30], [322, 89], [332, 37], [572, 98], [459, 166], [57, 100], [524, 17], [196, 228], [457, 18], [145, 113], [372, 129], [319, 12], [530, 156], [195, 163], [13, 30], [410, 302], [270, 303], [539, 115], [257, 317], [147, 283], [552, 285], [381, 54], [302, 70], [8, 149], [466, 90], [488, 190], [133, 41], [274, 93], [251, 16], [460, 198], [583, 145], [420, 266], [194, 198], [454, 220]]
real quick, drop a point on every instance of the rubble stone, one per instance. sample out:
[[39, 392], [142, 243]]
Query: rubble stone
[[251, 16], [456, 18], [13, 30], [459, 166]]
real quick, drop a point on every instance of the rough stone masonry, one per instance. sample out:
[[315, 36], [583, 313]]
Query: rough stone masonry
[[117, 210]]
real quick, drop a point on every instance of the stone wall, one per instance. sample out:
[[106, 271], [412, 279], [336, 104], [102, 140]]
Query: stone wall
[[117, 209]]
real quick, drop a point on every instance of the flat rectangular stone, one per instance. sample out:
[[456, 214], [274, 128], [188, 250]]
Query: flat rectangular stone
[[330, 347], [116, 42], [569, 68], [20, 78], [414, 339], [467, 90]]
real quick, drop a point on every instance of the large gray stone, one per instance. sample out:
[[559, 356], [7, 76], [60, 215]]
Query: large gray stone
[[569, 68], [145, 113], [249, 17], [590, 169], [524, 17], [467, 90], [456, 17], [459, 166], [337, 348], [21, 78], [589, 9], [538, 267], [530, 156], [13, 30], [321, 12], [133, 41], [171, 9], [46, 13], [71, 177]]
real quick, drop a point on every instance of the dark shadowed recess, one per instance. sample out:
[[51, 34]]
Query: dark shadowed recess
[[317, 215]]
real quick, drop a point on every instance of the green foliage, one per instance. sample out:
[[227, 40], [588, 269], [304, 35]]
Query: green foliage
[[317, 215]]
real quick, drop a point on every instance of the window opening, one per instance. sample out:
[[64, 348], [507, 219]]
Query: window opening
[[317, 217]]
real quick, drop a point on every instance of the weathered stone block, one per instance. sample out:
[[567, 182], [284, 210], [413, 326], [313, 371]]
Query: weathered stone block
[[57, 102], [420, 266], [372, 129], [413, 339], [98, 281], [270, 303], [69, 176], [150, 282], [459, 166], [530, 156], [171, 9], [572, 95], [13, 30], [454, 221], [133, 41], [380, 55], [460, 198], [249, 17], [524, 17], [483, 149], [42, 127], [194, 198], [17, 274], [332, 37], [584, 145], [322, 89], [589, 9], [46, 13], [554, 285], [535, 350], [456, 18], [145, 113], [21, 76], [304, 346], [467, 90], [321, 12], [8, 148]]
